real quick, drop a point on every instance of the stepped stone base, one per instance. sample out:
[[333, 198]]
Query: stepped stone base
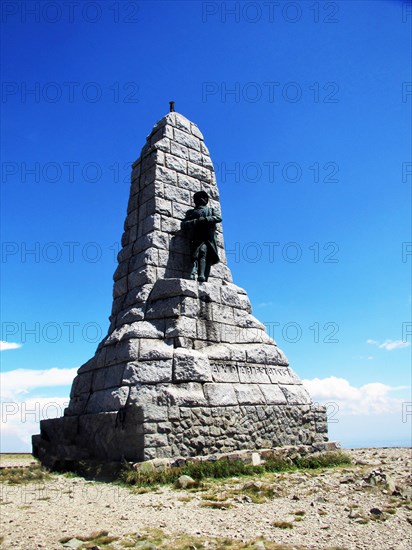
[[175, 431]]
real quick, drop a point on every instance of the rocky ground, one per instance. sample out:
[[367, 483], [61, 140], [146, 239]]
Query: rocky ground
[[365, 505]]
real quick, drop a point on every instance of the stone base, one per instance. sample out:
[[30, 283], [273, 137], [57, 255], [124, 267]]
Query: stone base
[[141, 433]]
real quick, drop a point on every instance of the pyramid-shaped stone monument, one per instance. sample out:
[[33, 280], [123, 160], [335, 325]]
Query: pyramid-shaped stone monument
[[185, 368]]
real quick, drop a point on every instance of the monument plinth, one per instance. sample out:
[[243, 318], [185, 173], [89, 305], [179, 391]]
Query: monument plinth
[[185, 368]]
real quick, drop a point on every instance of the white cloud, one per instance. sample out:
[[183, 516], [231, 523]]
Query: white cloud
[[389, 345], [16, 383], [8, 345], [20, 412], [370, 399]]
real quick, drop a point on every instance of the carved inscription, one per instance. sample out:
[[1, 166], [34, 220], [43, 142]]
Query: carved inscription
[[255, 374]]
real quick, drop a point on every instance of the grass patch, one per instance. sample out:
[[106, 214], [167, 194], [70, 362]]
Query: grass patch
[[27, 474], [224, 468], [283, 524], [180, 541], [92, 540]]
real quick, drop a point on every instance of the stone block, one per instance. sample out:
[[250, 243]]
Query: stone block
[[151, 223], [120, 287], [148, 372], [255, 374], [295, 394], [153, 350], [174, 287], [163, 144], [157, 205], [190, 365], [182, 123], [281, 375], [81, 384], [176, 194], [125, 253], [230, 297], [143, 329], [130, 316], [183, 326], [186, 139], [209, 292], [142, 276], [219, 352], [189, 307], [108, 377], [196, 157], [179, 150], [208, 331], [121, 271], [273, 394], [163, 308], [220, 395], [176, 163], [185, 395], [222, 314], [224, 372], [155, 440], [107, 400], [196, 132], [198, 172], [170, 225], [166, 175], [187, 182]]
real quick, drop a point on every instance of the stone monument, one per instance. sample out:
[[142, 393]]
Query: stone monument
[[185, 368]]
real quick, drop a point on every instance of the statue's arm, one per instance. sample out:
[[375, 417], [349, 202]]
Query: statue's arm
[[214, 217]]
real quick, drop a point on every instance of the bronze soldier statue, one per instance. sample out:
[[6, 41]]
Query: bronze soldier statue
[[201, 223]]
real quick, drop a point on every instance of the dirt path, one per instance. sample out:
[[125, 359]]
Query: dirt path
[[331, 509]]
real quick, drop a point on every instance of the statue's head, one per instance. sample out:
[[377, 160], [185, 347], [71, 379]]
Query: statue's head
[[201, 198]]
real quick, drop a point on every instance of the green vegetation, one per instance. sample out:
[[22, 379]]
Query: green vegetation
[[100, 538], [25, 474], [220, 469], [283, 524]]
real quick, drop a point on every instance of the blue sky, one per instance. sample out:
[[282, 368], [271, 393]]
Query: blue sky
[[306, 110]]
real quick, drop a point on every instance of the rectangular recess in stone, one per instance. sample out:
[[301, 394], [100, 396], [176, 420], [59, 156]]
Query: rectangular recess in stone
[[249, 394], [273, 394], [224, 372], [148, 372], [295, 394], [220, 394], [253, 374]]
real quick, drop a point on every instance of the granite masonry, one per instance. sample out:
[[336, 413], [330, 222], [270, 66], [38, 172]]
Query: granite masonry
[[185, 368]]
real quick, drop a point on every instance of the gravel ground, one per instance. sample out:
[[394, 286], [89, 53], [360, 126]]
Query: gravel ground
[[328, 509]]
